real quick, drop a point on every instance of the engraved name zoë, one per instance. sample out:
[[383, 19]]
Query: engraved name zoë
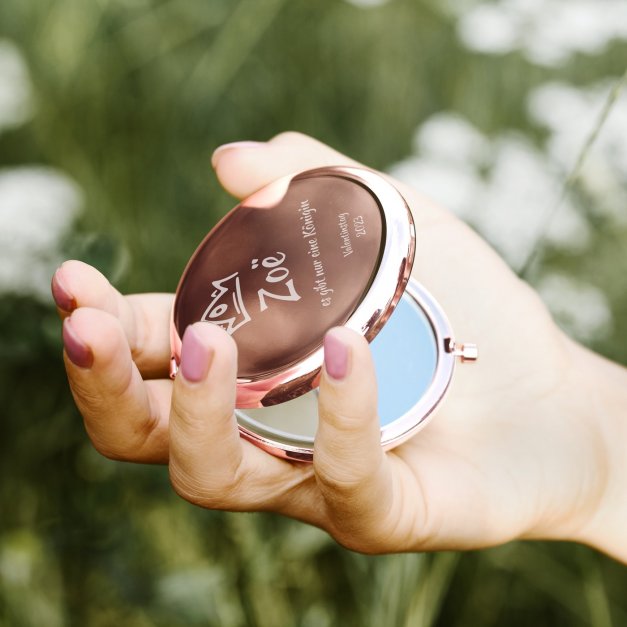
[[228, 310]]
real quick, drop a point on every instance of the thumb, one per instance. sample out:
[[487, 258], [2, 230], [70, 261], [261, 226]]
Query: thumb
[[351, 468], [245, 167]]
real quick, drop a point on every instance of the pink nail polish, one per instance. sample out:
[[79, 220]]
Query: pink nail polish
[[335, 357], [79, 353], [232, 146], [195, 357], [62, 297]]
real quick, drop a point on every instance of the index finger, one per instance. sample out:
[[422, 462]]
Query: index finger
[[145, 318]]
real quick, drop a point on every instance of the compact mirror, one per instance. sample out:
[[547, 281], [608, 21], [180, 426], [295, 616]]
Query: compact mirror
[[322, 248]]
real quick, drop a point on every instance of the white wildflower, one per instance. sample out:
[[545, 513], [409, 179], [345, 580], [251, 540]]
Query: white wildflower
[[37, 209], [569, 114], [15, 87], [547, 32], [506, 188]]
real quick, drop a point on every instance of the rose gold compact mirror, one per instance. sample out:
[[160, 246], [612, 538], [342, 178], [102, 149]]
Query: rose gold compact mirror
[[322, 248]]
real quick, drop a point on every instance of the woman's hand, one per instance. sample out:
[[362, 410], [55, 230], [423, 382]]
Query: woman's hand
[[528, 443]]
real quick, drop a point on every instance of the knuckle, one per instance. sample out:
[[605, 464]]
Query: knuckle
[[221, 491], [355, 543], [186, 486], [344, 481], [138, 329], [354, 534], [133, 442], [85, 394], [188, 433], [339, 419], [185, 420], [106, 450]]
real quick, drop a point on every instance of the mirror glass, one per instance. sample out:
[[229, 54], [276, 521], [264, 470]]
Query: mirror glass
[[405, 356]]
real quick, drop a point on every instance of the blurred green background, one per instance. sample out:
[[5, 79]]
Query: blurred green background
[[109, 112]]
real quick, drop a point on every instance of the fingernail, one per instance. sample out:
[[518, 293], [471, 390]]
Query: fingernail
[[79, 353], [61, 295], [195, 357], [335, 357], [233, 145]]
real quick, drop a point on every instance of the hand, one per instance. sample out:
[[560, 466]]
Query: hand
[[516, 450]]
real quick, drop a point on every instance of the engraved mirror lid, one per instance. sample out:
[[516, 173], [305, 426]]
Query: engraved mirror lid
[[322, 248]]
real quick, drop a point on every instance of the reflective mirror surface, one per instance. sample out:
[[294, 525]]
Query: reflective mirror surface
[[405, 355]]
